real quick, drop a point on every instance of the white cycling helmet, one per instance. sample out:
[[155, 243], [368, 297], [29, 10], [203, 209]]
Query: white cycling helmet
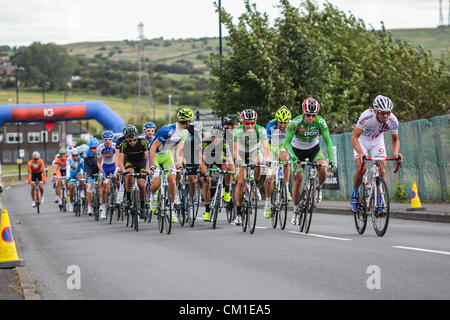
[[383, 104]]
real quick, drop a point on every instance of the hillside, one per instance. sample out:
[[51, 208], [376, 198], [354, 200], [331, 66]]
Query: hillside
[[435, 39]]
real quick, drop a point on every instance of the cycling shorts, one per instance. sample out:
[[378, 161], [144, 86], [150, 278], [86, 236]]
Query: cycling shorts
[[36, 177], [248, 156], [373, 147], [108, 169], [191, 169], [313, 154], [164, 161], [137, 167], [276, 150]]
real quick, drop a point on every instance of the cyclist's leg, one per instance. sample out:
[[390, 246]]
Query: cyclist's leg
[[129, 180], [323, 174]]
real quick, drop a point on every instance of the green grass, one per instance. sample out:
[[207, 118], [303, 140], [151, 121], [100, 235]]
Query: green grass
[[437, 40]]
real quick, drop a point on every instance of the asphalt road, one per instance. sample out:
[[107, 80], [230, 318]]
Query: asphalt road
[[333, 262]]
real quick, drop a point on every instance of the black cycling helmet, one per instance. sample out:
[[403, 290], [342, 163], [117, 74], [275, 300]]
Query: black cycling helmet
[[231, 119], [130, 131]]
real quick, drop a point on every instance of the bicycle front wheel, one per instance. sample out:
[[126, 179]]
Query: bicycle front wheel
[[310, 203], [275, 200], [380, 207], [361, 216], [216, 206], [168, 213], [252, 208], [282, 214]]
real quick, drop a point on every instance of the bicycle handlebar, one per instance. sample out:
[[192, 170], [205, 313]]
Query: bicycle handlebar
[[374, 159], [221, 171], [313, 164]]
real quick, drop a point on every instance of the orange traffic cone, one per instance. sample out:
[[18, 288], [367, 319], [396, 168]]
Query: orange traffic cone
[[415, 200], [8, 252]]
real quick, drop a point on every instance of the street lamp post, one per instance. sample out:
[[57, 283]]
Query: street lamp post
[[170, 108], [19, 160], [220, 30], [46, 83]]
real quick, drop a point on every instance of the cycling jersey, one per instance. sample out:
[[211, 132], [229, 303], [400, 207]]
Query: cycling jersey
[[144, 137], [36, 170], [134, 154], [303, 136], [90, 162], [373, 128], [193, 143], [107, 154], [60, 164], [275, 134], [250, 140], [119, 142], [170, 135], [209, 150], [74, 168], [372, 138]]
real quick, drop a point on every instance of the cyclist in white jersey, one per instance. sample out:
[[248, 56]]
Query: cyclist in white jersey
[[368, 139], [106, 163]]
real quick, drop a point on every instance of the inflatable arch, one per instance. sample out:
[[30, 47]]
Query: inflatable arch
[[51, 112]]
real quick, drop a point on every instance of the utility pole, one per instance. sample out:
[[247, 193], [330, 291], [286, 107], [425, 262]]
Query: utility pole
[[441, 14], [170, 108], [143, 82]]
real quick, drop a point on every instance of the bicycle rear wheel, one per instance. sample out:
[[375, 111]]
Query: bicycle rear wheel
[[231, 207], [136, 208], [37, 197], [381, 220], [361, 216], [252, 212], [160, 210], [303, 208], [282, 214], [310, 206], [181, 210]]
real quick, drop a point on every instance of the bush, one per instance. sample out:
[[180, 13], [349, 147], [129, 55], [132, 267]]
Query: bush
[[400, 193]]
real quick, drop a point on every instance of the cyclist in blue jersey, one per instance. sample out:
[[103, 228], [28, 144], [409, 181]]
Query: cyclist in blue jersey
[[276, 132], [166, 139], [90, 166], [74, 170], [106, 154]]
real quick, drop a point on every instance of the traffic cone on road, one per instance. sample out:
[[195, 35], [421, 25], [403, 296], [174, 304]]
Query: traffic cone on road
[[415, 200], [8, 251]]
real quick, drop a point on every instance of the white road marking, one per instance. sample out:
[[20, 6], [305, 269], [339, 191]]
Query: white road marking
[[422, 250], [261, 227], [320, 236]]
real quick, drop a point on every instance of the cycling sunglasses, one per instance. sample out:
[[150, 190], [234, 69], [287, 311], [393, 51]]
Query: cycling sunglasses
[[149, 130], [93, 148], [249, 123], [132, 139], [310, 115], [107, 139], [384, 113]]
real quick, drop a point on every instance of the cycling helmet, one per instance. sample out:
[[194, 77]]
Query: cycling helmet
[[249, 115], [231, 119], [310, 106], [283, 115], [62, 152], [130, 132], [383, 104], [107, 134], [74, 152], [149, 125], [83, 148], [125, 128], [35, 155], [93, 142], [185, 114], [216, 131]]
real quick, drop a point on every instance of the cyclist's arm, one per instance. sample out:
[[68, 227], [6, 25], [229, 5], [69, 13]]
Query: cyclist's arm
[[287, 143], [155, 145], [357, 132], [396, 145], [146, 160], [179, 154], [99, 164], [327, 138], [44, 172], [266, 149]]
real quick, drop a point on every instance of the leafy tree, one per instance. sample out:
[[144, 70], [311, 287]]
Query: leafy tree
[[325, 54], [46, 62]]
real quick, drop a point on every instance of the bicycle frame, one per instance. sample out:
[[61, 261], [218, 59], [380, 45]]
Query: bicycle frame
[[217, 202]]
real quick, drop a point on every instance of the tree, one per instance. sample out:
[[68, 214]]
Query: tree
[[46, 62], [325, 54]]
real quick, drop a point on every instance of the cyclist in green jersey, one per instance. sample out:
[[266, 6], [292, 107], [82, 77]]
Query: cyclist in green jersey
[[302, 142], [251, 145], [215, 152]]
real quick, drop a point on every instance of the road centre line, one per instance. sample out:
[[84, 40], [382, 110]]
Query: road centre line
[[320, 236], [422, 250]]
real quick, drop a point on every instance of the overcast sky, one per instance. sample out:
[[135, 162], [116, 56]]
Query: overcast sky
[[66, 21]]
